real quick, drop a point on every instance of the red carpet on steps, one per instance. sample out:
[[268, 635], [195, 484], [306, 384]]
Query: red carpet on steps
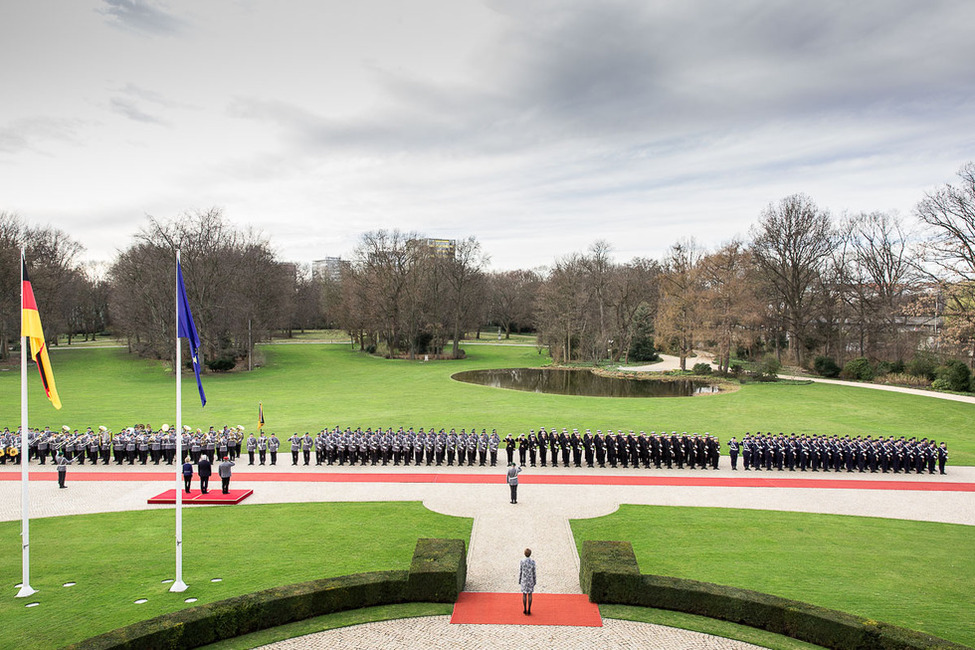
[[195, 497], [483, 608]]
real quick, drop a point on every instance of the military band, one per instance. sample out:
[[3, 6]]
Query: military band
[[142, 444]]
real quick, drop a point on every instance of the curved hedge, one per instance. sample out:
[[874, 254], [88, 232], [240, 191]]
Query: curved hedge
[[437, 573], [609, 573]]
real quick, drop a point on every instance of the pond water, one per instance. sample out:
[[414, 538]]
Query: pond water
[[582, 382]]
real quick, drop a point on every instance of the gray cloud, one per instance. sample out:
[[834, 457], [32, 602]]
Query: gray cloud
[[33, 133], [656, 72], [130, 110], [143, 16]]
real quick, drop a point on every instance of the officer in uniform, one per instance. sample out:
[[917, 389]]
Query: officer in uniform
[[251, 448], [295, 441], [733, 452]]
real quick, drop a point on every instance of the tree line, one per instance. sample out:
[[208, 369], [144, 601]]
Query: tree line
[[803, 287]]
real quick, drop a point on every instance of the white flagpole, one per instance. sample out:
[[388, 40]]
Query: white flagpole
[[179, 585], [25, 588]]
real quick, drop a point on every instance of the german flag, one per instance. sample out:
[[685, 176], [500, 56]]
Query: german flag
[[30, 326]]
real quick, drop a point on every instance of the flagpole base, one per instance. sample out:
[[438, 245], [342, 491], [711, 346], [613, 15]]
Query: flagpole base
[[178, 587], [25, 591]]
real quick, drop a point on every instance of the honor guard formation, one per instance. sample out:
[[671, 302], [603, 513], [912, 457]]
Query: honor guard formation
[[548, 447], [137, 444]]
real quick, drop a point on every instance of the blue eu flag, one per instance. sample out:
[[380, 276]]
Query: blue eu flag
[[187, 329]]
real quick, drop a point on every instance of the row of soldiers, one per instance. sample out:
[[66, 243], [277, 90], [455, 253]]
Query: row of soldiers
[[546, 447], [767, 451], [389, 446], [136, 444]]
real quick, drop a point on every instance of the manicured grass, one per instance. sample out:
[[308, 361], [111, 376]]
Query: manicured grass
[[331, 622], [914, 574], [704, 625], [117, 558], [306, 387]]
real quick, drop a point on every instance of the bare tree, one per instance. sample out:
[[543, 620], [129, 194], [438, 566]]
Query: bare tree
[[949, 214], [238, 291], [632, 289], [512, 298], [791, 244], [729, 302], [52, 259], [677, 311]]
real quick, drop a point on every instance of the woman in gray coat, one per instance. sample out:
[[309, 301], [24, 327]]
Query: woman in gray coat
[[526, 578]]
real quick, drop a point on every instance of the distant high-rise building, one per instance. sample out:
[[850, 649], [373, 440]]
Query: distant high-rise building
[[442, 247], [329, 268]]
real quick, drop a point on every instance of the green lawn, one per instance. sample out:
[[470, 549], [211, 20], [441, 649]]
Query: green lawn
[[915, 574], [117, 558], [306, 387]]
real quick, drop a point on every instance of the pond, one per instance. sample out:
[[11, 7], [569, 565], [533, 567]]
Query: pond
[[583, 382]]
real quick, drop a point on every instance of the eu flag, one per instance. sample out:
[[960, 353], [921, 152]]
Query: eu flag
[[187, 329]]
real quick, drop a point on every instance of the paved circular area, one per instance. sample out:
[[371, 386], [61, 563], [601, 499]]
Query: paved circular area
[[437, 632]]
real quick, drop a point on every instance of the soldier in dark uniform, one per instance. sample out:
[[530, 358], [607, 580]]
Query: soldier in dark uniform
[[542, 439], [733, 452], [942, 456]]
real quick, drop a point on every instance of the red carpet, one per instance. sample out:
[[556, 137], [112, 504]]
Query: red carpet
[[928, 484], [479, 608], [195, 497]]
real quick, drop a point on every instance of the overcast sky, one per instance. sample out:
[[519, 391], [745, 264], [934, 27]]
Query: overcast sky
[[538, 127]]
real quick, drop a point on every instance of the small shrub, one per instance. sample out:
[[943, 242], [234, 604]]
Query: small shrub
[[223, 364], [955, 375], [826, 367], [736, 369], [768, 369], [858, 369], [940, 384], [897, 367], [701, 369], [923, 365]]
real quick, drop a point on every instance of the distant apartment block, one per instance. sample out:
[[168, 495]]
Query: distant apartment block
[[442, 247], [329, 268]]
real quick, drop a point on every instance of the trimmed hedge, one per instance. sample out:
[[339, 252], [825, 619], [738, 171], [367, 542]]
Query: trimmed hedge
[[438, 570], [609, 573], [437, 574]]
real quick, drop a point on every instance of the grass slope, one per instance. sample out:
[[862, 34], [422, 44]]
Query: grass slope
[[305, 387], [117, 558], [915, 574]]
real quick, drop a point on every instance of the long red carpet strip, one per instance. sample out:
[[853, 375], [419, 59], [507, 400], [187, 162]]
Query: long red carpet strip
[[195, 497], [481, 608], [555, 479]]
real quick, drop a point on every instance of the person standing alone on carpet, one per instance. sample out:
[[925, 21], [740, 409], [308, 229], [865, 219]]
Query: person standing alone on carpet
[[526, 578], [513, 472], [224, 471]]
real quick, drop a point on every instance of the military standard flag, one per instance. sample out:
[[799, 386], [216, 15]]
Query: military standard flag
[[30, 326], [187, 329], [260, 416]]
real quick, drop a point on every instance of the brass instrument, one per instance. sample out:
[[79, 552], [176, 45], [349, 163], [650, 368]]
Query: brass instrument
[[13, 451]]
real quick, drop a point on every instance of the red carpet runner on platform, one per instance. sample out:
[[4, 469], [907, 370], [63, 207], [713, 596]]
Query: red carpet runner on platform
[[929, 485], [195, 497], [482, 608]]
